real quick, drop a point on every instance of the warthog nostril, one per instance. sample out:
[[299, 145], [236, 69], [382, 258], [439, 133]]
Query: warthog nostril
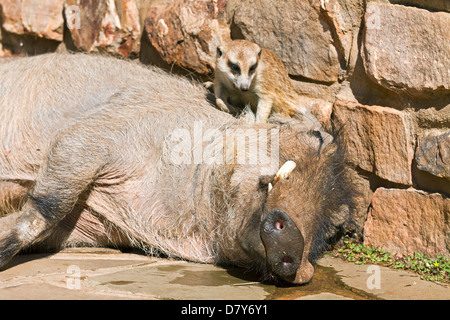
[[286, 260], [279, 225]]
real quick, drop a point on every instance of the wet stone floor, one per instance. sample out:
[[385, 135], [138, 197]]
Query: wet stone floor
[[95, 273]]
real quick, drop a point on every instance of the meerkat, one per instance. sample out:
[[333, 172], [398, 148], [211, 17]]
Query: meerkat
[[246, 74]]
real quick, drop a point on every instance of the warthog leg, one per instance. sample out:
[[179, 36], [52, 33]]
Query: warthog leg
[[66, 173]]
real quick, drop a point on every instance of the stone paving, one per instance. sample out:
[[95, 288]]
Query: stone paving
[[95, 273]]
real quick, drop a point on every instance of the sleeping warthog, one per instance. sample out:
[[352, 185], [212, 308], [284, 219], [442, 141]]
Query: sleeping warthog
[[88, 157]]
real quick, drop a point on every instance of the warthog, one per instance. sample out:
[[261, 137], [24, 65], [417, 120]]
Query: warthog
[[96, 151]]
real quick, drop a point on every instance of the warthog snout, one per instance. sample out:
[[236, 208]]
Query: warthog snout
[[283, 243]]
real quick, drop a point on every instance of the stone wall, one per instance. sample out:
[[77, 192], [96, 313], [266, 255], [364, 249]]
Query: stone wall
[[379, 71]]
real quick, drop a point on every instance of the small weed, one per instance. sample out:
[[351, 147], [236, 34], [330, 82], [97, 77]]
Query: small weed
[[432, 269]]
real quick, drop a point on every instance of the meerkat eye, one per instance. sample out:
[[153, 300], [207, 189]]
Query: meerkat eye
[[234, 68], [253, 68]]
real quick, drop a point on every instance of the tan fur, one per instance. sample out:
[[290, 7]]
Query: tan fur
[[11, 197], [87, 138], [269, 87]]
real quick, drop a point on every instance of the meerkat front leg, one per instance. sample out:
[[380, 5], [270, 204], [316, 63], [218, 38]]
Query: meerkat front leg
[[263, 109], [220, 92]]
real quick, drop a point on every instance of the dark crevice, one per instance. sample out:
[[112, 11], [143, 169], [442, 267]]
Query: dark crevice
[[325, 19], [377, 182], [309, 80], [439, 5]]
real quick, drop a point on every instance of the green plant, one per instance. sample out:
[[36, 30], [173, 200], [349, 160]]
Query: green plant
[[432, 269]]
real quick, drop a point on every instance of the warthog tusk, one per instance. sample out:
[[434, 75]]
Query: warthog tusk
[[285, 170]]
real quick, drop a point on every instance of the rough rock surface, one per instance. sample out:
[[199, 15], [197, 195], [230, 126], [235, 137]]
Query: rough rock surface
[[104, 274], [440, 5], [187, 33], [378, 139], [344, 18], [403, 49], [296, 31], [104, 26], [40, 18], [404, 221], [433, 154]]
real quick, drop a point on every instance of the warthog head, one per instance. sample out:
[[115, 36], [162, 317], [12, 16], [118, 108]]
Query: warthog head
[[307, 202]]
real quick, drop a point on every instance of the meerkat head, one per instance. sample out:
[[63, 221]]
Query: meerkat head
[[239, 60]]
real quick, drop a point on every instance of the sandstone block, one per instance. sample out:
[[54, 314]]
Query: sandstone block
[[378, 139], [41, 18], [104, 26], [433, 154], [404, 221], [403, 49], [344, 18], [296, 31], [187, 33]]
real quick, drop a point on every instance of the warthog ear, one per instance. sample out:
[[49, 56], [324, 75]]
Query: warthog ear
[[319, 135]]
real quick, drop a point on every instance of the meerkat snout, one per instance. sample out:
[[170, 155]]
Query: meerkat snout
[[244, 85]]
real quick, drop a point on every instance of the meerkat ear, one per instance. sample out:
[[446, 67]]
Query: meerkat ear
[[259, 53], [219, 52]]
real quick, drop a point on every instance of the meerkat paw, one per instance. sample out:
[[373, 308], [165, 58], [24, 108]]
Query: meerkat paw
[[209, 85], [222, 106]]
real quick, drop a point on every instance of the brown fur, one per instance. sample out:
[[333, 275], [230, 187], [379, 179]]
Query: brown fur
[[89, 139], [11, 197]]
